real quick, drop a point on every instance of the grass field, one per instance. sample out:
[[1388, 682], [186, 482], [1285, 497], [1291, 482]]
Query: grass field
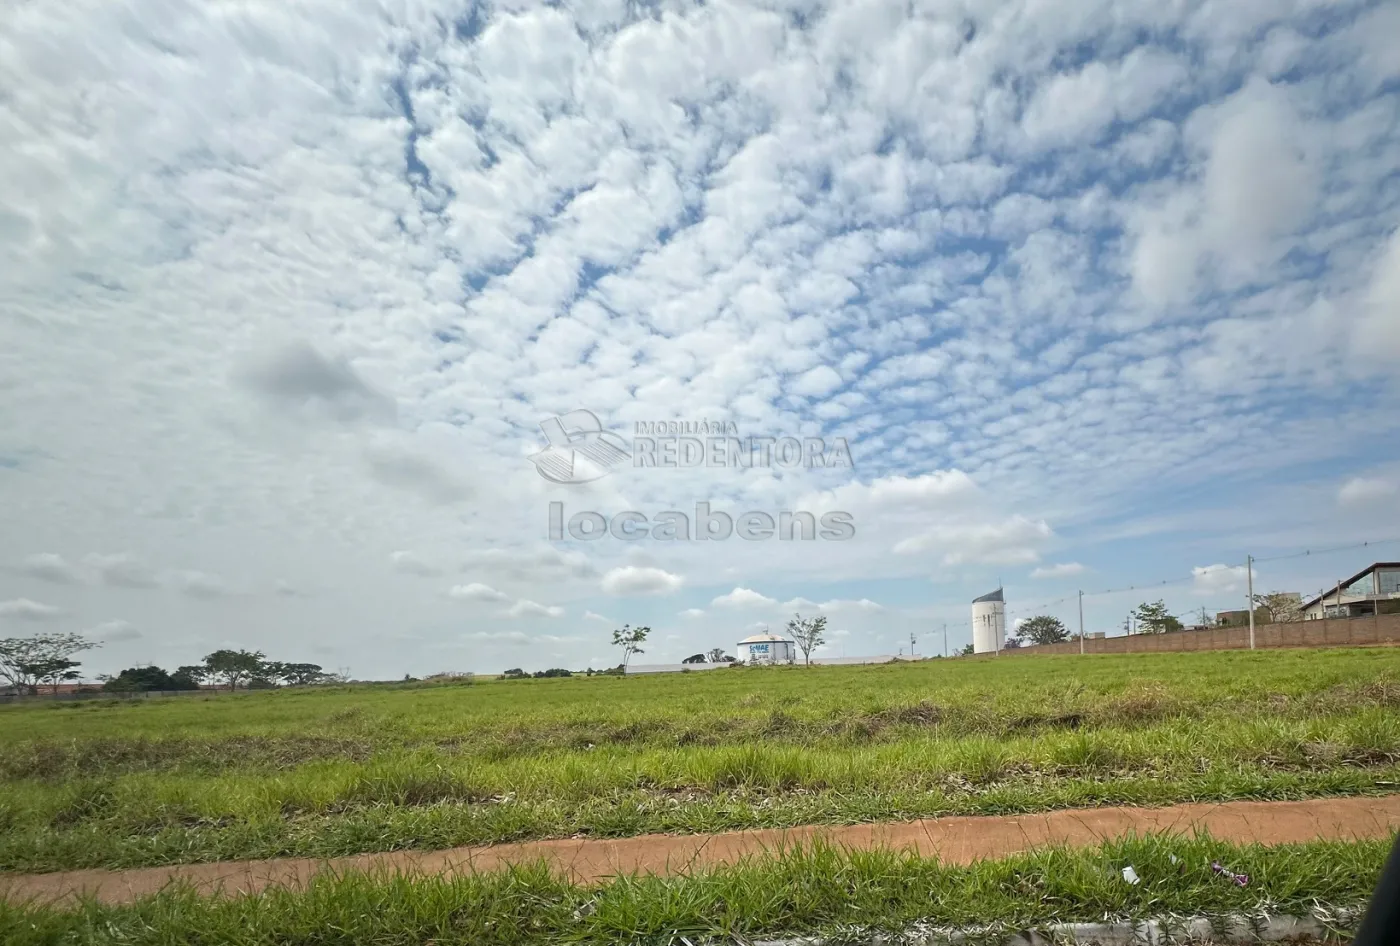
[[809, 891], [372, 768]]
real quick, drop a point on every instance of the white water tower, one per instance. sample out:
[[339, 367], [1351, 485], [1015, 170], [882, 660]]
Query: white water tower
[[988, 623]]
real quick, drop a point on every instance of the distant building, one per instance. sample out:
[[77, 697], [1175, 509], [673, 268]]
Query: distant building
[[1240, 618], [1375, 588], [766, 649], [1262, 615], [988, 623]]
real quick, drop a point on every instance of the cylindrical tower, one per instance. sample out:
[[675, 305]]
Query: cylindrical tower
[[988, 623]]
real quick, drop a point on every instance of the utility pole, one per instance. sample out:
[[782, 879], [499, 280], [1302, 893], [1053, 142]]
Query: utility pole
[[1249, 577], [911, 643], [1081, 623], [945, 638]]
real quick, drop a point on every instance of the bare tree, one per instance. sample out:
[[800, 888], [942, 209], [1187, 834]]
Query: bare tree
[[810, 633], [1283, 608], [715, 655]]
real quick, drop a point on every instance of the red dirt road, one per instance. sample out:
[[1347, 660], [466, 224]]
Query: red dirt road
[[959, 840]]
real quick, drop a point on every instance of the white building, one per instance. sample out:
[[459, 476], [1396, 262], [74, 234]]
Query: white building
[[766, 649], [1375, 588], [988, 623]]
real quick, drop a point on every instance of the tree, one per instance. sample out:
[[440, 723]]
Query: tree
[[235, 666], [139, 679], [1155, 619], [716, 655], [1283, 607], [1043, 629], [810, 633], [189, 677], [27, 661], [1011, 643], [630, 640], [967, 651], [301, 674]]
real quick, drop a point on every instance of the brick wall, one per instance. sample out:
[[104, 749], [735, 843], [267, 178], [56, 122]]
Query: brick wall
[[1333, 632]]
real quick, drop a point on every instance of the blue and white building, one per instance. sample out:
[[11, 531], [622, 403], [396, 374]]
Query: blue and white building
[[766, 649]]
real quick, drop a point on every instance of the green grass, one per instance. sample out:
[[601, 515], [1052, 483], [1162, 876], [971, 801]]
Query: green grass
[[806, 891], [336, 771]]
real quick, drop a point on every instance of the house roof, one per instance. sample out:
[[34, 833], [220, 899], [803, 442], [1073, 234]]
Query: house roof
[[761, 638], [1346, 581], [990, 596]]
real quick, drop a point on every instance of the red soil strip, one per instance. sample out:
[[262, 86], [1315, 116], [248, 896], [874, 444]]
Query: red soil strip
[[959, 840]]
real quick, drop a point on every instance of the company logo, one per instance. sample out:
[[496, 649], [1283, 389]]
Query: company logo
[[579, 450]]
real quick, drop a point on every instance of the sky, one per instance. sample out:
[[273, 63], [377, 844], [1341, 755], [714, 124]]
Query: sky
[[1099, 295]]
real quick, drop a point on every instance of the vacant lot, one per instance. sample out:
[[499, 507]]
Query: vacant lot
[[339, 771]]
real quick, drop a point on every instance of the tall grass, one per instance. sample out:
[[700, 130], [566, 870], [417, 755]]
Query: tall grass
[[802, 891], [319, 772]]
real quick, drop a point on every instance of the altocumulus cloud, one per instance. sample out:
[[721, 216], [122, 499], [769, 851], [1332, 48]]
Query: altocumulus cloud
[[1048, 274]]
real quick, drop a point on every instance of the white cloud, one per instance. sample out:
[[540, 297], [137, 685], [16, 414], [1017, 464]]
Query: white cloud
[[1011, 541], [1362, 490], [122, 570], [693, 613], [593, 616], [1220, 579], [743, 598], [525, 608], [632, 580], [834, 606], [410, 564], [296, 375], [817, 382], [543, 564], [476, 591], [1258, 184], [1061, 570], [199, 585], [113, 632], [51, 566], [23, 609]]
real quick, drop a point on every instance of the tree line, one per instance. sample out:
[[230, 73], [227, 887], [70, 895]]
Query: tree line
[[27, 663]]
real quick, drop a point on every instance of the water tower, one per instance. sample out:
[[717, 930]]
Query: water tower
[[988, 623]]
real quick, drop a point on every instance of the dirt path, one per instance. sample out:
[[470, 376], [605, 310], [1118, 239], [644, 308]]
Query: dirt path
[[959, 840]]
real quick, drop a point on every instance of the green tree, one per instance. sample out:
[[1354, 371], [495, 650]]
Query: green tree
[[810, 633], [1011, 643], [27, 661], [967, 651], [1043, 629], [52, 670], [234, 666], [302, 674], [630, 639], [1154, 618], [189, 677]]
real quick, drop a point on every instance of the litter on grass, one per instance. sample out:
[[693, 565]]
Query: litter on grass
[[1130, 875], [1241, 879]]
